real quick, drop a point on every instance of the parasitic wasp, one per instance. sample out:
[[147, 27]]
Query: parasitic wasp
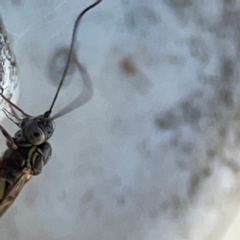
[[28, 151]]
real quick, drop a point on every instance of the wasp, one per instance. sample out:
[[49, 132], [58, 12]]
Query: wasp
[[29, 151]]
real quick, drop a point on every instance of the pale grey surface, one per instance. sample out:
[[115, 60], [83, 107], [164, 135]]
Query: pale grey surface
[[155, 154]]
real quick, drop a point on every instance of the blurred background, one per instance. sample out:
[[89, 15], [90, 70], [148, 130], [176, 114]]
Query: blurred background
[[155, 153]]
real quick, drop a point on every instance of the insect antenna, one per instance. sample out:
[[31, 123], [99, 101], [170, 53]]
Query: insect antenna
[[83, 97], [74, 103], [7, 113]]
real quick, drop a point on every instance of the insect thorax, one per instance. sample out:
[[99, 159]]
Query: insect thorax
[[33, 157]]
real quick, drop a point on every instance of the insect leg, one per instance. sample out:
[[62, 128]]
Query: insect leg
[[8, 137], [7, 113], [14, 114], [12, 104]]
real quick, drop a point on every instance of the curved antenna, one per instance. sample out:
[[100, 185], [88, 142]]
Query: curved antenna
[[83, 97], [48, 113]]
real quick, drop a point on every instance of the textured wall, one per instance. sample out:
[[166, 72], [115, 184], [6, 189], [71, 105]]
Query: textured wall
[[155, 154]]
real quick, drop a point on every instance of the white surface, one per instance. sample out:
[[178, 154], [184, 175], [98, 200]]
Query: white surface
[[155, 154], [8, 71], [233, 232]]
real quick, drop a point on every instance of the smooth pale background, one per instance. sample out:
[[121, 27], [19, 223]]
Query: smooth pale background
[[155, 154]]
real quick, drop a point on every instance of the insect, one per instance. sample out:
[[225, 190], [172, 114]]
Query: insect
[[28, 151]]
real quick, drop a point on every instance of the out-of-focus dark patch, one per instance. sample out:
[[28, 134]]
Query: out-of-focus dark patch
[[18, 2], [196, 179], [182, 165], [194, 184], [57, 65], [191, 113], [174, 206], [174, 141], [225, 89], [234, 166], [176, 201], [211, 153], [237, 136], [229, 1], [121, 201], [227, 70], [187, 147], [134, 76], [164, 206], [222, 132], [153, 213], [88, 196], [198, 49], [141, 18], [124, 1], [165, 122], [128, 67], [225, 97], [143, 148], [207, 171], [173, 59], [179, 3]]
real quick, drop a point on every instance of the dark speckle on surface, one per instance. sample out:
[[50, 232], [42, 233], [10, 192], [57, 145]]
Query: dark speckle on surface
[[128, 67]]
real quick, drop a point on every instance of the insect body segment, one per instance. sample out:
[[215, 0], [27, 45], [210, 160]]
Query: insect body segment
[[32, 157], [33, 150], [28, 151], [37, 130], [31, 154]]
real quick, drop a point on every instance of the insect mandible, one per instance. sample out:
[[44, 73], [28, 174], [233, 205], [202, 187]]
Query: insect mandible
[[28, 151]]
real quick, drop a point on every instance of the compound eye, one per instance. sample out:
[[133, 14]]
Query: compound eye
[[49, 129], [34, 134]]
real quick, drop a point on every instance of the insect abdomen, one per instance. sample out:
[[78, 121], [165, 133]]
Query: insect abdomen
[[12, 164]]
